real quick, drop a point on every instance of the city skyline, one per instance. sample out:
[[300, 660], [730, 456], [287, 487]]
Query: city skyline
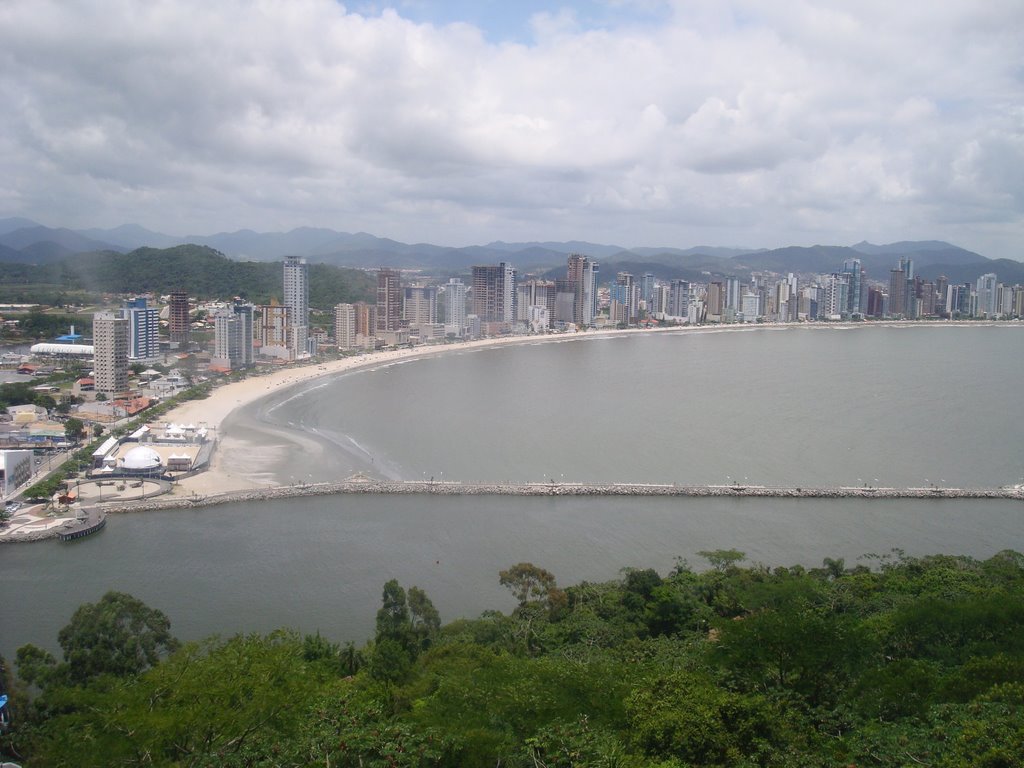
[[644, 123]]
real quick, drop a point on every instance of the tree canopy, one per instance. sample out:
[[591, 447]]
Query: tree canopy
[[916, 661]]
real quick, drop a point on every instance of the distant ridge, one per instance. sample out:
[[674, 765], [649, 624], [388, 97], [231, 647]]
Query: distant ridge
[[23, 240]]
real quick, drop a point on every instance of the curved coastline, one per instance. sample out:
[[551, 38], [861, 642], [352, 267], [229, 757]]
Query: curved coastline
[[220, 410]]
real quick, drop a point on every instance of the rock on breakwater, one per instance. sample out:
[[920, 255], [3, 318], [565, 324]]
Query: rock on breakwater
[[363, 486]]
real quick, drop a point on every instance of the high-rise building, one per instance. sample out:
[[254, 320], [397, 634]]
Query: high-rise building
[[366, 319], [624, 300], [876, 302], [856, 294], [986, 288], [110, 350], [178, 319], [834, 299], [715, 300], [733, 298], [941, 284], [455, 306], [751, 307], [233, 336], [565, 301], [345, 326], [296, 298], [272, 330], [389, 300], [582, 273], [647, 290], [420, 305], [679, 298], [143, 330], [661, 295], [897, 292], [494, 293]]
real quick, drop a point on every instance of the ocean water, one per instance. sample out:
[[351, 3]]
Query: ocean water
[[770, 406]]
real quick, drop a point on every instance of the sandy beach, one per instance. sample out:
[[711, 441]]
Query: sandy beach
[[235, 453]]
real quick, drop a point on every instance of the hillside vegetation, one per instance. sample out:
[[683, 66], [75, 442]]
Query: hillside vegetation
[[199, 270], [916, 661]]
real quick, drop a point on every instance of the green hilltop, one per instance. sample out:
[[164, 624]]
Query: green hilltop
[[197, 269]]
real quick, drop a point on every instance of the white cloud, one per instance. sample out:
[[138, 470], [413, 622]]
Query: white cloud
[[747, 122]]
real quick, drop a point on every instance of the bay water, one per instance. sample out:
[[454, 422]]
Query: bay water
[[883, 406]]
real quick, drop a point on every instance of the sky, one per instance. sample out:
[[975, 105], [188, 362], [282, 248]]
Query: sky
[[628, 122]]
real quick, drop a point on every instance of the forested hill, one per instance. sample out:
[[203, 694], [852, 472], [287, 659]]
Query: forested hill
[[914, 661], [197, 269]]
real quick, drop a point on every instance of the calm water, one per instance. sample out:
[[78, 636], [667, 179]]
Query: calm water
[[796, 406], [772, 406]]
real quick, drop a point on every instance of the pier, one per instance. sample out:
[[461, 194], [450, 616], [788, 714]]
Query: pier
[[364, 485]]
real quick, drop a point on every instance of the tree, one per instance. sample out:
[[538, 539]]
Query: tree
[[73, 428], [426, 621], [395, 644], [44, 401], [393, 617], [35, 665], [526, 581], [97, 430], [722, 559], [687, 717], [120, 635]]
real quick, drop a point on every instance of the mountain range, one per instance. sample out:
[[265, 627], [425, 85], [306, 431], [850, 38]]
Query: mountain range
[[28, 242]]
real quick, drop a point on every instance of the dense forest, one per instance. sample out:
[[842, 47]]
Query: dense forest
[[908, 662], [199, 270]]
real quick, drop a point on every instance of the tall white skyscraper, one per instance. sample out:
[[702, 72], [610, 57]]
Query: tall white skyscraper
[[455, 306], [733, 298], [582, 276], [986, 288], [233, 336], [751, 307], [296, 298]]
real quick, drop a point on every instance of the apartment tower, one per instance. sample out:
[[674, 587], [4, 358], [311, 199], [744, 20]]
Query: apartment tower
[[345, 326], [389, 300], [178, 319], [110, 342], [296, 298]]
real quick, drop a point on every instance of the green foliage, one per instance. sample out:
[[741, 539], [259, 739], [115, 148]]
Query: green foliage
[[689, 718], [723, 559], [119, 635], [18, 393], [38, 324], [199, 270], [35, 665], [73, 428], [527, 582], [917, 662], [404, 629]]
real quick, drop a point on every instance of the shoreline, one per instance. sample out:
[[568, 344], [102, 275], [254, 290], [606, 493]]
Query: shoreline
[[226, 399]]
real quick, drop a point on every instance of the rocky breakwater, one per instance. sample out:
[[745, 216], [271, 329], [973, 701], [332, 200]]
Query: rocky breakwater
[[370, 486]]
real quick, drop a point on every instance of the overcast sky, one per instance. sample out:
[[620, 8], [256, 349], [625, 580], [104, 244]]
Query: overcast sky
[[634, 122]]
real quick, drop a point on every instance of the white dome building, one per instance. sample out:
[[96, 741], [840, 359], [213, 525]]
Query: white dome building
[[142, 460]]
